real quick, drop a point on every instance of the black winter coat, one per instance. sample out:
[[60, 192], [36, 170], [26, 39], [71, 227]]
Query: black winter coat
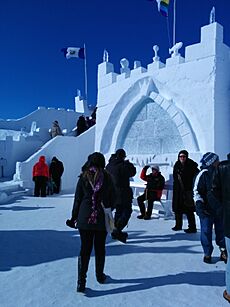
[[221, 189], [56, 169], [188, 171], [210, 203], [121, 171], [82, 207]]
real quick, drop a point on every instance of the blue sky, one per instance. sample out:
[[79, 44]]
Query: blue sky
[[34, 72]]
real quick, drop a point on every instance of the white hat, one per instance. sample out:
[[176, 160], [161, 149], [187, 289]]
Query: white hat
[[156, 167]]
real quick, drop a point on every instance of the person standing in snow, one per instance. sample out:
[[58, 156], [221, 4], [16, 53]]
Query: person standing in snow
[[121, 170], [56, 170], [153, 191], [40, 177], [184, 172], [209, 208], [221, 189], [81, 125], [55, 130], [94, 190]]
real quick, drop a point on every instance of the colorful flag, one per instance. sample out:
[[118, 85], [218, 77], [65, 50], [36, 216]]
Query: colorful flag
[[163, 6], [73, 52]]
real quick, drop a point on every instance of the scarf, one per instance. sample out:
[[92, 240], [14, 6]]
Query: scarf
[[96, 185]]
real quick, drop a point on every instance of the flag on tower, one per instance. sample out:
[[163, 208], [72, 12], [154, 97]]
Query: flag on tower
[[73, 52], [163, 6]]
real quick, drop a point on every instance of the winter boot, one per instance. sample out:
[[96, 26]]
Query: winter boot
[[226, 296], [82, 270], [119, 235], [179, 220], [140, 217], [100, 263], [207, 259], [142, 209], [223, 255], [149, 211], [190, 230], [191, 223]]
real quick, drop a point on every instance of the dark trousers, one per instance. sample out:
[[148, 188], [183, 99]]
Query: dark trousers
[[122, 216], [90, 239], [57, 185], [151, 197], [191, 219], [40, 186]]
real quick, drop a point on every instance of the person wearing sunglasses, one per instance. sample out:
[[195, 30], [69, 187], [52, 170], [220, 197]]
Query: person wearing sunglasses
[[184, 172]]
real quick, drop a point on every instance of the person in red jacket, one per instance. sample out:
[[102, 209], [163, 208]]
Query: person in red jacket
[[40, 177], [153, 191]]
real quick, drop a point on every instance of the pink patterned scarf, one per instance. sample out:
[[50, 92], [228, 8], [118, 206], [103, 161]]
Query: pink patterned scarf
[[96, 186]]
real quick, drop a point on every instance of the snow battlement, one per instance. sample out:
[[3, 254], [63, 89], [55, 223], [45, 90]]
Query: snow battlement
[[210, 43], [168, 106]]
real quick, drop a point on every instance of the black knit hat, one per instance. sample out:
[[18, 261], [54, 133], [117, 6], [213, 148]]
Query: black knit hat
[[183, 152], [120, 153], [96, 159]]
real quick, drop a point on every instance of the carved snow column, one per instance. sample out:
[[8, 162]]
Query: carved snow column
[[156, 64]]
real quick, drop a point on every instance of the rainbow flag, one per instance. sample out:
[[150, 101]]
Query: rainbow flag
[[163, 6]]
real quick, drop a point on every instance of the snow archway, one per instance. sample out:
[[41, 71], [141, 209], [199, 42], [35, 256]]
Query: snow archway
[[144, 122]]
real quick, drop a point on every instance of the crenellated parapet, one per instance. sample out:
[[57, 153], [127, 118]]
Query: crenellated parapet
[[184, 91], [211, 41]]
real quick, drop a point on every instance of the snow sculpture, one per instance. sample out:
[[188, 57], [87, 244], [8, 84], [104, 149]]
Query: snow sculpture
[[136, 64], [212, 17], [124, 66], [168, 107], [175, 48], [106, 56], [156, 57]]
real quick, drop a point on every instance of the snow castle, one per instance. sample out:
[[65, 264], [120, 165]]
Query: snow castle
[[153, 112], [184, 103]]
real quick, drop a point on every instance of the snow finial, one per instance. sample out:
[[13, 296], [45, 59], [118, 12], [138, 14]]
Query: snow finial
[[156, 57], [212, 17], [106, 56], [136, 64], [124, 66], [78, 92]]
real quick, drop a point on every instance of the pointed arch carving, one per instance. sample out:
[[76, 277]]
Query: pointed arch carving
[[144, 92]]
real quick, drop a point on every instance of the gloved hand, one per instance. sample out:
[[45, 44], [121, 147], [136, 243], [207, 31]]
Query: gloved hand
[[146, 167], [71, 223], [201, 209]]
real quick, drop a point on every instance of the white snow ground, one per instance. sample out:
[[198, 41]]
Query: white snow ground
[[157, 267]]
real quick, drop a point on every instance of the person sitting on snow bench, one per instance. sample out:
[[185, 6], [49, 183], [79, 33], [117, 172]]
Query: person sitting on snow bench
[[153, 191]]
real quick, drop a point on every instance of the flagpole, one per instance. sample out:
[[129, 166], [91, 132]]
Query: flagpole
[[174, 22], [168, 31], [86, 89]]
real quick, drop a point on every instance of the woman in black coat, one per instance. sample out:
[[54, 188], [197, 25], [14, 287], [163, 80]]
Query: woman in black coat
[[94, 188], [184, 172]]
